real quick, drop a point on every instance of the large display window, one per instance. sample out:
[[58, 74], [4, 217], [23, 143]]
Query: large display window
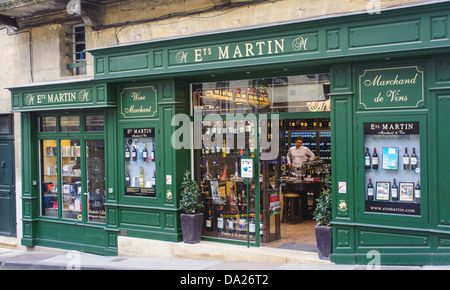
[[299, 93], [394, 166], [140, 162], [72, 167]]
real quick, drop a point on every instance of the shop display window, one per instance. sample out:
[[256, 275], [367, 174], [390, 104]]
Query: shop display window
[[392, 165], [72, 169], [229, 199], [300, 93], [140, 162]]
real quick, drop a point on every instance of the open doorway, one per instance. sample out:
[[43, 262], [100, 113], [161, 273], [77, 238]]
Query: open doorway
[[291, 182]]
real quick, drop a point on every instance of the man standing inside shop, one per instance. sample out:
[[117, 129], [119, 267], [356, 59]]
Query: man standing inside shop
[[297, 156]]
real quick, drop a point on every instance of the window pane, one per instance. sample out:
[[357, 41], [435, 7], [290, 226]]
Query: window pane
[[71, 178], [4, 124], [300, 93], [69, 123], [95, 165], [95, 123], [49, 178], [47, 124]]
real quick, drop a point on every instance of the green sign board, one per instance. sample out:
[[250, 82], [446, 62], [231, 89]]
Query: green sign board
[[388, 88], [58, 98], [138, 102], [298, 43]]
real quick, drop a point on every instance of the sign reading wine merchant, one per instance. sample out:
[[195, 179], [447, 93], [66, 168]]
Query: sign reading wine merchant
[[138, 102], [386, 88]]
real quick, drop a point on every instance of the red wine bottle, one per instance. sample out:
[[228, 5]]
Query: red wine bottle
[[394, 191], [374, 159]]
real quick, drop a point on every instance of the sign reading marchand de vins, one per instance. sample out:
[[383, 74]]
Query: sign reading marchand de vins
[[385, 88], [138, 102]]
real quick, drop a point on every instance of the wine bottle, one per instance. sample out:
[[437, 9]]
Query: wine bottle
[[394, 191], [406, 159], [413, 159], [242, 223], [220, 223], [145, 153], [261, 226], [127, 153], [134, 153], [127, 178], [209, 222], [231, 225], [417, 192], [374, 159], [367, 159], [141, 179], [252, 226], [153, 152], [370, 190]]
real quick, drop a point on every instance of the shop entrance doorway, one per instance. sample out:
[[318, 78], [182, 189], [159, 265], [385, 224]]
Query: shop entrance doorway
[[288, 193]]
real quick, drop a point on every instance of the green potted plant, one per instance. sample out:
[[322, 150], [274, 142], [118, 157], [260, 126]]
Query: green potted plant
[[190, 203], [322, 216]]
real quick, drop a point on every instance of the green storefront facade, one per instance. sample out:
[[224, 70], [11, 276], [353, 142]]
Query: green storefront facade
[[389, 89]]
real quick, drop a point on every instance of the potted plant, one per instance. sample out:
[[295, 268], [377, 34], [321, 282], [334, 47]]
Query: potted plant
[[191, 221], [322, 216]]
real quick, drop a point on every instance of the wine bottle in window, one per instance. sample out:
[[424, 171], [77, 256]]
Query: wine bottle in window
[[374, 159], [127, 178], [367, 159], [153, 152], [413, 159], [417, 192], [145, 153], [370, 190], [220, 221], [394, 191], [141, 179], [134, 153], [209, 222], [127, 153], [406, 159]]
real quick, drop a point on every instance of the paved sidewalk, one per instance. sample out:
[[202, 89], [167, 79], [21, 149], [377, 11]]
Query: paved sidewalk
[[54, 259]]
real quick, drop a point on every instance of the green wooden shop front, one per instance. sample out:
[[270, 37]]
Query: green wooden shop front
[[389, 78]]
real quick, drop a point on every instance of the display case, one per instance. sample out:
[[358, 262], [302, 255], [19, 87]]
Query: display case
[[229, 199], [392, 165], [140, 162]]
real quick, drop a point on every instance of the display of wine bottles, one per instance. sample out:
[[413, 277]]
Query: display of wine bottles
[[140, 166], [391, 174]]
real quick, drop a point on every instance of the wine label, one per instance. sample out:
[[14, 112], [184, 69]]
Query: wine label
[[370, 191], [220, 223], [413, 161], [405, 160], [394, 192], [375, 161], [367, 161]]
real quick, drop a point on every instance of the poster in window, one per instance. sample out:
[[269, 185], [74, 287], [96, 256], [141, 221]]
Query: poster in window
[[382, 192]]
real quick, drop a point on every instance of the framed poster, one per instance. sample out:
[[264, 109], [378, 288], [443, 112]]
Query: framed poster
[[406, 191], [390, 158], [382, 191]]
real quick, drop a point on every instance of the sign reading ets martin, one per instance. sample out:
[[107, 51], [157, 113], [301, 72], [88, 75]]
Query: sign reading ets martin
[[307, 42], [138, 102], [58, 98], [386, 88]]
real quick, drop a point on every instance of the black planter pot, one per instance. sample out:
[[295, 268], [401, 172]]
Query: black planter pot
[[191, 227], [323, 241]]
